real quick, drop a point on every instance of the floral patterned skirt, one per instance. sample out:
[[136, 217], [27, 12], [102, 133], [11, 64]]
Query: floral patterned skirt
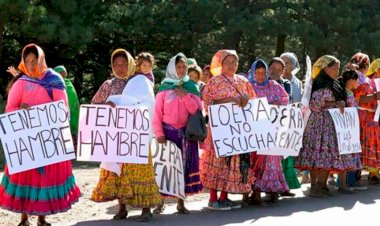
[[370, 140], [268, 173], [224, 173], [136, 186], [320, 146]]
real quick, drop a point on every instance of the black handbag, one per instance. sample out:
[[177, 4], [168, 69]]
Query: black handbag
[[196, 129]]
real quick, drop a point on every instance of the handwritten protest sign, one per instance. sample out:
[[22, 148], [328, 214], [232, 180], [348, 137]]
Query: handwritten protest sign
[[290, 126], [36, 137], [238, 131], [168, 165], [377, 113], [347, 129], [120, 134]]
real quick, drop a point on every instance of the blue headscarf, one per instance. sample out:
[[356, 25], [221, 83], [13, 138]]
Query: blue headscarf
[[50, 80], [251, 75]]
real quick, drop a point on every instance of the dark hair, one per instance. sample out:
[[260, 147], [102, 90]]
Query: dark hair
[[179, 58], [119, 54], [331, 63], [361, 60], [196, 69], [28, 50], [348, 75], [276, 60], [144, 56], [260, 64]]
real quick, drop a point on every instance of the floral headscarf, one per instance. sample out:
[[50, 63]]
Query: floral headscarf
[[375, 66], [322, 80], [218, 58], [321, 63]]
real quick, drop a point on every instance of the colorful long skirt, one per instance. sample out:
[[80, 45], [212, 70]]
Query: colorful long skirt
[[320, 146], [136, 186], [370, 140], [190, 158], [40, 192], [268, 173], [231, 174], [290, 173]]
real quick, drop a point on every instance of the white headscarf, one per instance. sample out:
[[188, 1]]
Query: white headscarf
[[171, 72], [293, 58]]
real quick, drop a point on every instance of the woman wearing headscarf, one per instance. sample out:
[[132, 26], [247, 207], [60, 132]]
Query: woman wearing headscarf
[[367, 95], [178, 98], [276, 69], [230, 174], [73, 101], [49, 189], [319, 152], [360, 63], [292, 67], [131, 184], [267, 169]]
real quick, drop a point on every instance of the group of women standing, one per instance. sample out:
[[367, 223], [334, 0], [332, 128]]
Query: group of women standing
[[52, 189]]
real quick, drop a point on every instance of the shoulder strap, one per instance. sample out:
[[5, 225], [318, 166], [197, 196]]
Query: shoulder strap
[[232, 85]]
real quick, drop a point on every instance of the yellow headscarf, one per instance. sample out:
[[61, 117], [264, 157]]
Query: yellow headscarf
[[217, 60], [373, 67], [131, 63], [41, 63], [321, 63]]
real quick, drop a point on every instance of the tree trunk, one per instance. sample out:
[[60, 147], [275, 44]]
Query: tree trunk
[[280, 47], [233, 42]]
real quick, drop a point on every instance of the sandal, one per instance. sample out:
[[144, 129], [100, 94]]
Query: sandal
[[120, 215], [159, 209], [25, 223], [39, 223], [287, 194], [145, 217], [183, 210], [273, 197], [325, 190], [314, 192]]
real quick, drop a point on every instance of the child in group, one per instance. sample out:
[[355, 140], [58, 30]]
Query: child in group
[[351, 82]]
